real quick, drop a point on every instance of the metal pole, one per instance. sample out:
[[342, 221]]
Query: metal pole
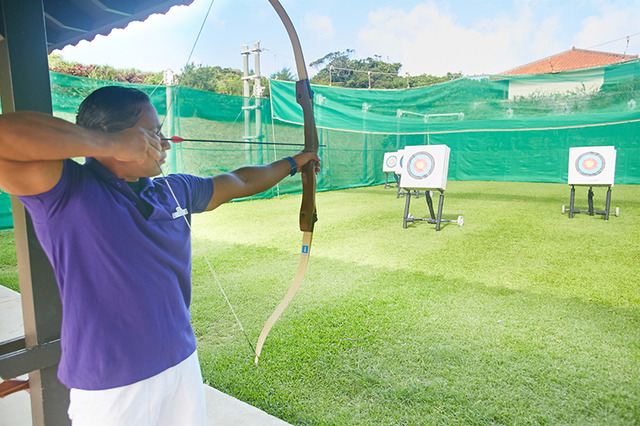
[[365, 143], [257, 92], [246, 94], [607, 204], [24, 65], [169, 81]]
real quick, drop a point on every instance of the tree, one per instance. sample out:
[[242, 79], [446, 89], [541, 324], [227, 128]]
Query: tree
[[103, 72], [337, 68], [283, 75], [213, 79]]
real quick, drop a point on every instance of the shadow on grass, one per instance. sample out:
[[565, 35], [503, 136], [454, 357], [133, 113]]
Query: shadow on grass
[[365, 345]]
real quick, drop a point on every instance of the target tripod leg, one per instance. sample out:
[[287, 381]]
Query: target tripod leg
[[608, 204], [406, 211], [386, 180], [573, 196], [427, 195], [439, 218], [590, 201]]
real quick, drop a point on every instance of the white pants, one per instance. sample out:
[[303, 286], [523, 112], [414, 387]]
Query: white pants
[[173, 397]]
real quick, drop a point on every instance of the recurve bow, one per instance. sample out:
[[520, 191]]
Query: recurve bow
[[308, 216]]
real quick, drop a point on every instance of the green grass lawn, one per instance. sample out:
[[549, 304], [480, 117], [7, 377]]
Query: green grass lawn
[[8, 267], [521, 316]]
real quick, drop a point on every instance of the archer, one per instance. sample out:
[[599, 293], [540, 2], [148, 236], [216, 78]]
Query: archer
[[120, 249]]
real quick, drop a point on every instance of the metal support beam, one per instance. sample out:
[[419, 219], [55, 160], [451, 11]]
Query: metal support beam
[[25, 85], [19, 362], [11, 346]]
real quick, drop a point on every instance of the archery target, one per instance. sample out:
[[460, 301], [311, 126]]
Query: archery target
[[391, 162], [425, 166], [420, 165], [592, 165], [400, 164]]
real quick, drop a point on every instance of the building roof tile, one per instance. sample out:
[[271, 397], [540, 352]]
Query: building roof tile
[[570, 60]]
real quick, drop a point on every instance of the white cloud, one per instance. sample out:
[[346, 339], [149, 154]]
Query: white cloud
[[153, 44], [609, 25], [429, 40], [433, 40], [321, 25]]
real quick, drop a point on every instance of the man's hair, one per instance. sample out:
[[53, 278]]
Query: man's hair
[[111, 109]]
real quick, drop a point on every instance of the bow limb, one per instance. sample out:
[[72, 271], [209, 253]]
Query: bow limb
[[308, 216]]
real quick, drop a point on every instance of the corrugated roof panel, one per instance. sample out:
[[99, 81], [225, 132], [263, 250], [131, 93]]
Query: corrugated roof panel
[[71, 21]]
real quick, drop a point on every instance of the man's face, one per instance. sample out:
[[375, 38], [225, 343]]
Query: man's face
[[148, 120]]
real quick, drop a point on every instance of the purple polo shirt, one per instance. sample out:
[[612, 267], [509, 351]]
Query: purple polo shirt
[[124, 280]]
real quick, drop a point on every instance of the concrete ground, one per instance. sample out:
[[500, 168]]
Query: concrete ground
[[15, 410]]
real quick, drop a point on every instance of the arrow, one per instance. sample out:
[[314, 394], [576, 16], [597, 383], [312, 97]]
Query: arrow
[[178, 139]]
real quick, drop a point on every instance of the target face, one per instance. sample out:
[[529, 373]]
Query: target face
[[421, 165], [400, 161], [590, 164], [425, 167], [391, 162]]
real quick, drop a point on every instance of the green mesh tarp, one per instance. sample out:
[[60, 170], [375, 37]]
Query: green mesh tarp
[[6, 220], [196, 114], [507, 128]]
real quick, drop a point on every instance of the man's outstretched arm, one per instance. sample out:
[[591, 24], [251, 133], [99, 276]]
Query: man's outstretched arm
[[247, 181]]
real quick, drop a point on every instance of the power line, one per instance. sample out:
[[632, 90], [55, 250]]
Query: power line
[[612, 41], [371, 72]]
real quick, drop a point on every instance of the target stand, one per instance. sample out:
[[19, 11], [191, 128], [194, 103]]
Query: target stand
[[591, 166], [426, 167], [437, 219], [386, 180], [402, 192], [571, 210]]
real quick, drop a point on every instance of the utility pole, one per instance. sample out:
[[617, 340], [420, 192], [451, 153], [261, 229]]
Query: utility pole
[[258, 90]]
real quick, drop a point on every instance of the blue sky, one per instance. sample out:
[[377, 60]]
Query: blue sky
[[433, 37]]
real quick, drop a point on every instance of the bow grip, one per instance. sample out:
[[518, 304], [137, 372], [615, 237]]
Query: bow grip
[[308, 216], [304, 97]]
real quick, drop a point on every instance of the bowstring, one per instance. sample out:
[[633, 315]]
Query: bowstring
[[204, 256], [206, 259]]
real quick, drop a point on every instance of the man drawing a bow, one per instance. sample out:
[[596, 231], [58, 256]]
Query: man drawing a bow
[[120, 249]]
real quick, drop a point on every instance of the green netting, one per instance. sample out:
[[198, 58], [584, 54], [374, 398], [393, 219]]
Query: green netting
[[196, 114], [6, 220], [508, 128]]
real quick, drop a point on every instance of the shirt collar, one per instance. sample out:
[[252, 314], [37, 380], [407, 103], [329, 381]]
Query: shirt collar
[[104, 173]]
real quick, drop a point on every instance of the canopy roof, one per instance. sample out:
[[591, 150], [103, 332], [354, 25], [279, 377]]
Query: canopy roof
[[70, 21]]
